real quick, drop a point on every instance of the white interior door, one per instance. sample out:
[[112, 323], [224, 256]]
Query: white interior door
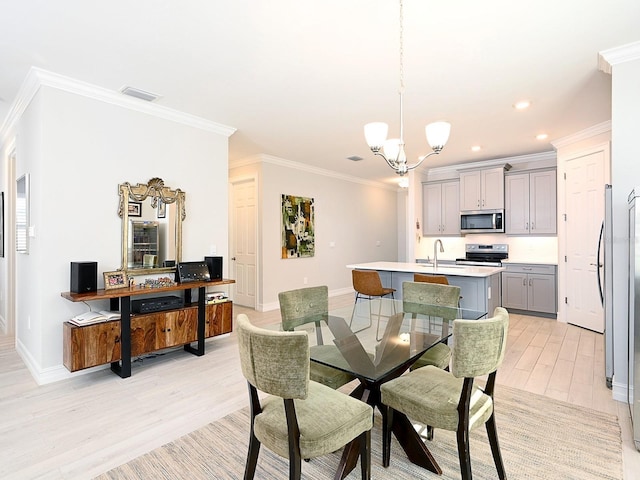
[[244, 242], [585, 212]]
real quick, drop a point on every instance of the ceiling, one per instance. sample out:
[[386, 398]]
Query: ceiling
[[299, 79]]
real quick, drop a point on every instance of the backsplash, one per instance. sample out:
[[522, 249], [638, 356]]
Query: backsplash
[[521, 249]]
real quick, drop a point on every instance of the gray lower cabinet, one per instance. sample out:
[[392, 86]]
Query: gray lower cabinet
[[530, 288]]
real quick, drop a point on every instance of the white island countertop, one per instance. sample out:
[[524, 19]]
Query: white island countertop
[[450, 270]]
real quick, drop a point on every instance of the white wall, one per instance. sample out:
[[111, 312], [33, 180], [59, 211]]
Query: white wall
[[77, 149], [352, 214], [625, 175]]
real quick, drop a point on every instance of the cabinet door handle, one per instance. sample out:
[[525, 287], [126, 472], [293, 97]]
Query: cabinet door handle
[[531, 282], [533, 226], [526, 226], [524, 282]]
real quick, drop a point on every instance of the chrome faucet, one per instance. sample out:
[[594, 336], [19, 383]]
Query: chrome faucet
[[435, 252]]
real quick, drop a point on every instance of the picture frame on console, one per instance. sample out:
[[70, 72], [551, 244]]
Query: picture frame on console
[[117, 279]]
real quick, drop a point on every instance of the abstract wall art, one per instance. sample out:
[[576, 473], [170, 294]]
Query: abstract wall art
[[298, 229]]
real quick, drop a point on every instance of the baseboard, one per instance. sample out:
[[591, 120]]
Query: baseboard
[[620, 391], [43, 376]]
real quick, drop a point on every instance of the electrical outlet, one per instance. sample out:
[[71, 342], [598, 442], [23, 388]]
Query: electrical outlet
[[304, 280]]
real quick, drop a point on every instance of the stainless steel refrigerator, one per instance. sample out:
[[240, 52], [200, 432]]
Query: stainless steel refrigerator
[[633, 380], [605, 281]]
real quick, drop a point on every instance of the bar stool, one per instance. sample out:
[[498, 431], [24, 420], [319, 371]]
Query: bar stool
[[368, 285]]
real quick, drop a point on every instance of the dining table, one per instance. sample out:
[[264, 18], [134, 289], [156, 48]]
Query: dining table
[[375, 349]]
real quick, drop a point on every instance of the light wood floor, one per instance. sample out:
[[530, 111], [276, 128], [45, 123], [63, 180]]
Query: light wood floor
[[79, 428]]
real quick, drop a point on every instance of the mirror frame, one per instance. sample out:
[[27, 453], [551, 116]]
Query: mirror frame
[[157, 191]]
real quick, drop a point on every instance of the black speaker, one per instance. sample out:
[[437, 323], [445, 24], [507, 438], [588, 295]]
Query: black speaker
[[84, 277], [215, 267]]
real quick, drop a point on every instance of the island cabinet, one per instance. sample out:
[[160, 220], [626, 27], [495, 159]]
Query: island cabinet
[[441, 208], [531, 203], [482, 189], [115, 342], [530, 288]]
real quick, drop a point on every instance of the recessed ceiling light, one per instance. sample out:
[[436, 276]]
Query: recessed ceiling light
[[522, 104], [542, 136], [354, 158], [476, 148]]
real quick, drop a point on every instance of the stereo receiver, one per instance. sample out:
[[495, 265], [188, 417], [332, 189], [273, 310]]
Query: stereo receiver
[[156, 304]]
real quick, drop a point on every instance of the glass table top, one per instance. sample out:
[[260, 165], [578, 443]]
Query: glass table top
[[370, 346]]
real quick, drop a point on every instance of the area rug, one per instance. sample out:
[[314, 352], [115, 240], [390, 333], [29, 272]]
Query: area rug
[[540, 438]]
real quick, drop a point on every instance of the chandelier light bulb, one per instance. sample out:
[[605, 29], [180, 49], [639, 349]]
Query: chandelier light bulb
[[376, 134]]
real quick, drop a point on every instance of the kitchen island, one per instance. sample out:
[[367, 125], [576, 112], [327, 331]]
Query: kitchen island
[[480, 287]]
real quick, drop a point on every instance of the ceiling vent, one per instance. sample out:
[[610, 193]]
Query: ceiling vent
[[354, 158], [141, 94]]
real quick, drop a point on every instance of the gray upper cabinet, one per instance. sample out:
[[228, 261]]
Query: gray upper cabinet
[[441, 208], [531, 207], [482, 189]]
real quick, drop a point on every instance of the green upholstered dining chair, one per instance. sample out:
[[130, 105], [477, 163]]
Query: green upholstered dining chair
[[310, 306], [450, 400], [418, 298], [299, 419]]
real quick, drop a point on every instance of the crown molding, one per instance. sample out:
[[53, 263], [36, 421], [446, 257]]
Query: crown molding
[[598, 129], [453, 170], [614, 56], [263, 158], [38, 77]]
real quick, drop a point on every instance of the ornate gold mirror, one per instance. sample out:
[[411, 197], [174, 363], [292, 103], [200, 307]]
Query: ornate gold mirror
[[152, 216]]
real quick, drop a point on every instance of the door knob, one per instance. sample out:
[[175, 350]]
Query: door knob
[[233, 258]]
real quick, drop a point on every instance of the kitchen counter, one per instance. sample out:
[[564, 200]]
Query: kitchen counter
[[528, 262], [480, 287], [447, 270]]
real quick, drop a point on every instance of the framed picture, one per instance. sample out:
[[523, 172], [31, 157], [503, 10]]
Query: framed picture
[[298, 226], [1, 224], [162, 209], [135, 209], [115, 280]]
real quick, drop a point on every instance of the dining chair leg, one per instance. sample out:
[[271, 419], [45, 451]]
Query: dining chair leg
[[429, 432], [462, 436], [365, 455], [252, 457], [492, 433], [387, 424]]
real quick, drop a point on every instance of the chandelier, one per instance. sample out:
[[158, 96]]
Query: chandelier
[[392, 150]]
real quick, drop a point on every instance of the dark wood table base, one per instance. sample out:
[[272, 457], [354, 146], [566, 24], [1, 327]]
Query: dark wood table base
[[402, 428]]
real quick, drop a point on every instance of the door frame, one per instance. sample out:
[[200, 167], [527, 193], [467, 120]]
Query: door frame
[[256, 184]]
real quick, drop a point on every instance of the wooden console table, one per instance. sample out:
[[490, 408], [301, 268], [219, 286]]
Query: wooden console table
[[111, 342]]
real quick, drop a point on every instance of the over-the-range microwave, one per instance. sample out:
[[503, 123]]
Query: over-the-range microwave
[[482, 221]]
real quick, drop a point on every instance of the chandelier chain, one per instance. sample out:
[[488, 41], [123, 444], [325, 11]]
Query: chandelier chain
[[401, 47]]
